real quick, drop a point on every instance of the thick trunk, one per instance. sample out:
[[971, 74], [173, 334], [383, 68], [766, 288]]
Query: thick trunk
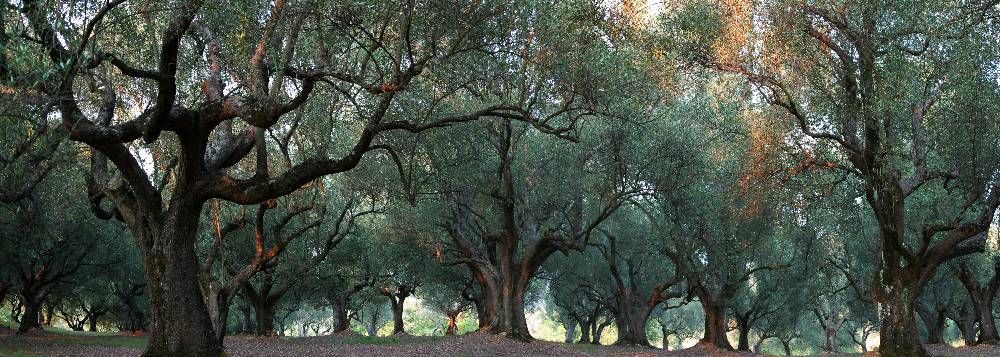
[[372, 325], [744, 344], [965, 320], [397, 315], [217, 304], [31, 317], [570, 326], [452, 324], [830, 340], [480, 313], [134, 319], [50, 313], [503, 309], [518, 321], [631, 322], [264, 312], [92, 324], [968, 330], [585, 327], [899, 334], [599, 330], [249, 323], [180, 320], [982, 296], [987, 326], [743, 324], [715, 325], [342, 322], [934, 322], [831, 324], [895, 288]]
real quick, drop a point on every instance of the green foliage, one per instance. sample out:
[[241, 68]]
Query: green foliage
[[642, 129]]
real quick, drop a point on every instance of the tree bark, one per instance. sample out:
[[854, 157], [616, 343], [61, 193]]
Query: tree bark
[[830, 340], [831, 324], [982, 296], [760, 342], [217, 303], [715, 324], [631, 322], [503, 310], [264, 311], [599, 330], [743, 324], [570, 325], [480, 312], [452, 324], [987, 325], [934, 323], [899, 334], [633, 306], [397, 299], [965, 319], [397, 317], [181, 325], [585, 327], [50, 314], [31, 317], [342, 321], [249, 323]]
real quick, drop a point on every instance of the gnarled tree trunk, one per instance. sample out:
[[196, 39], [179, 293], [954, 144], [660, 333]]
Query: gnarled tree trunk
[[32, 314], [715, 324], [982, 296], [264, 312], [585, 327], [899, 334], [569, 325], [339, 305], [743, 326], [396, 300], [965, 319], [180, 320], [452, 324], [503, 310], [631, 322], [598, 330], [934, 323]]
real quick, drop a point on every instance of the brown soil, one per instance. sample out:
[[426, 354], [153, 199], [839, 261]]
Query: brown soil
[[350, 344]]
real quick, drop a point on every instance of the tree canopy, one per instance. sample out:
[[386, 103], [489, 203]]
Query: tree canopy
[[765, 176]]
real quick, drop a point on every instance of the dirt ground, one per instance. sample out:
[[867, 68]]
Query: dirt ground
[[90, 344]]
